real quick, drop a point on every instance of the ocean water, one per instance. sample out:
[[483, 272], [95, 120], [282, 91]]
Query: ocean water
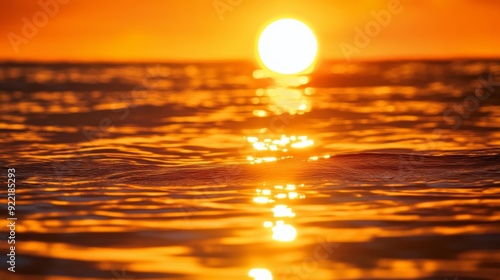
[[369, 170]]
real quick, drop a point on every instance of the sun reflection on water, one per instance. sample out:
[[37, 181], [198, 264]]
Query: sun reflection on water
[[281, 226], [286, 96], [284, 232], [268, 149], [260, 274], [286, 100]]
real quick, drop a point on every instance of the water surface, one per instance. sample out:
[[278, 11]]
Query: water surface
[[376, 170]]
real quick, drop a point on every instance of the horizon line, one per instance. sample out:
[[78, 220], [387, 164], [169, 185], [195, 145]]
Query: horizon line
[[236, 60]]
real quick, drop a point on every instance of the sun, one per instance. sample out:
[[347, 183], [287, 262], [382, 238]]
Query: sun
[[287, 46]]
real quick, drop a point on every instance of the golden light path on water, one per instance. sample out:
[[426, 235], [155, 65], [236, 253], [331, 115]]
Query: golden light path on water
[[280, 226], [283, 98]]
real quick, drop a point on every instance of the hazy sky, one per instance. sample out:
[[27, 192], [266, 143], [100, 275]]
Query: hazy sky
[[193, 29]]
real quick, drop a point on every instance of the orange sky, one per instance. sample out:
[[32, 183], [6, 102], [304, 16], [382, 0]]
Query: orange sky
[[128, 30]]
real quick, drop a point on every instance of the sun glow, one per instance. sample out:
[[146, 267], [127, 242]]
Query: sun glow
[[287, 46], [260, 274]]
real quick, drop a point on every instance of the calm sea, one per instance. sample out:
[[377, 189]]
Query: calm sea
[[374, 170]]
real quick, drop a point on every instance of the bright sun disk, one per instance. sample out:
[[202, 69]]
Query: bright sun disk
[[287, 46]]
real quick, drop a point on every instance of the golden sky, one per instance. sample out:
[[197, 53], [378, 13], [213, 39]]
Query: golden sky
[[166, 30]]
